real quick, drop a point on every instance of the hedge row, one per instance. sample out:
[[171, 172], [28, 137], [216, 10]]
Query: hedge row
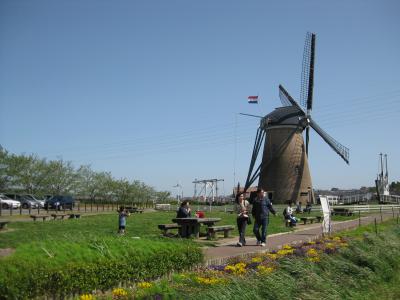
[[22, 279]]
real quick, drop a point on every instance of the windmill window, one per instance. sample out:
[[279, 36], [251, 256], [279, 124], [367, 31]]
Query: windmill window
[[297, 170]]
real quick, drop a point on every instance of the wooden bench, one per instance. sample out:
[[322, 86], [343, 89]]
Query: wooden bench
[[305, 219], [212, 231], [166, 227], [229, 211], [319, 218], [62, 216], [44, 217], [3, 224]]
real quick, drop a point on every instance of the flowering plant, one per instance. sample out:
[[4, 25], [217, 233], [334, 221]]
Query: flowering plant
[[86, 297], [119, 293]]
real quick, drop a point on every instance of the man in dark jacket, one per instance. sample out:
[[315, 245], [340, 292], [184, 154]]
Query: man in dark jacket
[[184, 210], [261, 208]]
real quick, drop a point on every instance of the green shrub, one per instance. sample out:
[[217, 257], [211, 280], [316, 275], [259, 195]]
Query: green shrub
[[107, 265]]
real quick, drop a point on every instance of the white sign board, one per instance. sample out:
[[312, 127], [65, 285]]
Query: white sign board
[[326, 224]]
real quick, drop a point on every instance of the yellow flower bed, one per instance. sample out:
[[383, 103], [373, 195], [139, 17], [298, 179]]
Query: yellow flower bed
[[284, 252], [312, 252], [86, 297], [313, 255], [287, 247], [256, 259], [237, 269], [119, 292], [330, 245], [314, 259], [209, 280], [144, 285], [272, 256]]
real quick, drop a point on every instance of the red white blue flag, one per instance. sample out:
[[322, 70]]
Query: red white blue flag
[[252, 99]]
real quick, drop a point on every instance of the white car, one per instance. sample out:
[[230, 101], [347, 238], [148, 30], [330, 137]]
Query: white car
[[33, 198], [6, 202]]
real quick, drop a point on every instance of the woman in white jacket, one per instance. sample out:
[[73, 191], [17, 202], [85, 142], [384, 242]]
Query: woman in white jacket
[[242, 206]]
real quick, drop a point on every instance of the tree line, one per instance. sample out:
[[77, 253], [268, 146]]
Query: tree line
[[30, 174]]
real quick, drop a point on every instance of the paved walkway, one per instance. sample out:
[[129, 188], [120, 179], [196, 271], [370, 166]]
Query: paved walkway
[[227, 247]]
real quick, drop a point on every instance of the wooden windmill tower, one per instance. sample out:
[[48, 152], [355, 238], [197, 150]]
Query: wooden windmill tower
[[284, 169]]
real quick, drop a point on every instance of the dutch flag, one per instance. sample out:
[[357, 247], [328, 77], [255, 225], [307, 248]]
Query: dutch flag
[[252, 99]]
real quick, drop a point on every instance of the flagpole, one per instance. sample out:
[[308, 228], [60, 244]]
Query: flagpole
[[235, 152]]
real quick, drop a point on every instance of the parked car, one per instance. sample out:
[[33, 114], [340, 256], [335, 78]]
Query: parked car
[[27, 201], [7, 202], [39, 202], [60, 202]]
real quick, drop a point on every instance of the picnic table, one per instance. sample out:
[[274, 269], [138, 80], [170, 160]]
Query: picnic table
[[44, 217], [191, 226]]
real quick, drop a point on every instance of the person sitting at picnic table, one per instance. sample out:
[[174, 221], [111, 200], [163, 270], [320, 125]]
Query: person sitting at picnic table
[[288, 213], [242, 206], [184, 210], [122, 214], [308, 207]]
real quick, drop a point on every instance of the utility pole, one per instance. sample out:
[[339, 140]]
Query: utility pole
[[179, 193]]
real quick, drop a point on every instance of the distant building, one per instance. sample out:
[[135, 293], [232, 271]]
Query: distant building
[[337, 196]]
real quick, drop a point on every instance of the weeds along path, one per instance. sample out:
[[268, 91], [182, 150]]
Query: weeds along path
[[227, 249]]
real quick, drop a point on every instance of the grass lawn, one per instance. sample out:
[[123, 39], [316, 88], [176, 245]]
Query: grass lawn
[[106, 225]]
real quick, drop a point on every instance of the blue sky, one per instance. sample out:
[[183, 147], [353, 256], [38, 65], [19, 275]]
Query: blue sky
[[150, 90]]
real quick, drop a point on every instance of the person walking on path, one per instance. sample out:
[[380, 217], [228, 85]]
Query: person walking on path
[[242, 206], [184, 210], [260, 211], [122, 214]]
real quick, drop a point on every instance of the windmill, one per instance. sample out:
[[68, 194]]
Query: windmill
[[284, 169]]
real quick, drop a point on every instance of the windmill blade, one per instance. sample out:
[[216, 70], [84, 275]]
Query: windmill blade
[[307, 73], [287, 100], [335, 145], [307, 138]]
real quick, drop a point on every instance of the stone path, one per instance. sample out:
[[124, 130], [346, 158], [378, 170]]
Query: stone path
[[226, 248]]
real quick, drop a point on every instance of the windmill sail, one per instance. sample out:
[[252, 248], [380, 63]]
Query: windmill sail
[[307, 73], [335, 145], [287, 100]]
